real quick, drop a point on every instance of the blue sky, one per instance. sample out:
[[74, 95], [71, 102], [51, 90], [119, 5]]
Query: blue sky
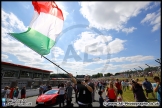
[[118, 36]]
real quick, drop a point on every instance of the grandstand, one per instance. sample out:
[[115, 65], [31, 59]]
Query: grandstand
[[19, 75]]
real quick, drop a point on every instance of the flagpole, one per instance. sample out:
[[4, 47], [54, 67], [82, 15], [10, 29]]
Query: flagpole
[[55, 64]]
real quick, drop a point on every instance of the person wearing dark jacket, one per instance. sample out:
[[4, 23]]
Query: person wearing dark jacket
[[23, 93], [85, 90], [101, 100], [49, 87], [69, 90], [138, 92], [76, 90]]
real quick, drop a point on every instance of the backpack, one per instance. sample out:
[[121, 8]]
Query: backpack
[[3, 93]]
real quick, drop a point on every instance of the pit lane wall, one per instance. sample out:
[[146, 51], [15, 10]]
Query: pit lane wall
[[30, 93]]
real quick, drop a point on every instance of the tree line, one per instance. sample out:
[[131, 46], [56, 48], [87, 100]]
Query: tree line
[[98, 75]]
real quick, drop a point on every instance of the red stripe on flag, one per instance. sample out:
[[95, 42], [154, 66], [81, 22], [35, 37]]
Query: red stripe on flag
[[47, 7]]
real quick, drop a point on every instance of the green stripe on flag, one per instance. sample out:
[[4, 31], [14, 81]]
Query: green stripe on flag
[[35, 40]]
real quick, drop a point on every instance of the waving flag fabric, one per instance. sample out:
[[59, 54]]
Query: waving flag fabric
[[46, 25]]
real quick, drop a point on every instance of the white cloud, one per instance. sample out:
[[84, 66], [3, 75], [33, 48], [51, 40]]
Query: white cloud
[[96, 44], [126, 67], [116, 45], [136, 58], [56, 52], [129, 30], [46, 66], [153, 19], [3, 56], [11, 21], [78, 52], [107, 65], [17, 49], [111, 15]]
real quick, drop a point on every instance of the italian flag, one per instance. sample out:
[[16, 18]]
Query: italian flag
[[46, 25]]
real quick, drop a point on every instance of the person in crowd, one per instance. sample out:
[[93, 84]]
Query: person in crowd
[[101, 100], [157, 88], [11, 92], [96, 86], [69, 90], [138, 92], [61, 93], [123, 85], [85, 90], [65, 85], [49, 87], [148, 88], [119, 88], [111, 92], [16, 93], [45, 88], [76, 92], [93, 93], [59, 85], [127, 84], [100, 85], [23, 92], [41, 90], [5, 93], [137, 80]]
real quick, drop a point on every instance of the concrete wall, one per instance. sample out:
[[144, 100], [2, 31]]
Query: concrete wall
[[30, 92]]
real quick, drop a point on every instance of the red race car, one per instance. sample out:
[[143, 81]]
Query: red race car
[[48, 98]]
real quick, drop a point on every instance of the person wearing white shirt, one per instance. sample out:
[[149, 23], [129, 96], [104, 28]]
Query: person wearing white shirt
[[61, 93], [5, 93], [123, 85]]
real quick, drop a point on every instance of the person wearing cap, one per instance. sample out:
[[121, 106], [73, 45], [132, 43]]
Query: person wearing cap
[[85, 90], [148, 88]]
